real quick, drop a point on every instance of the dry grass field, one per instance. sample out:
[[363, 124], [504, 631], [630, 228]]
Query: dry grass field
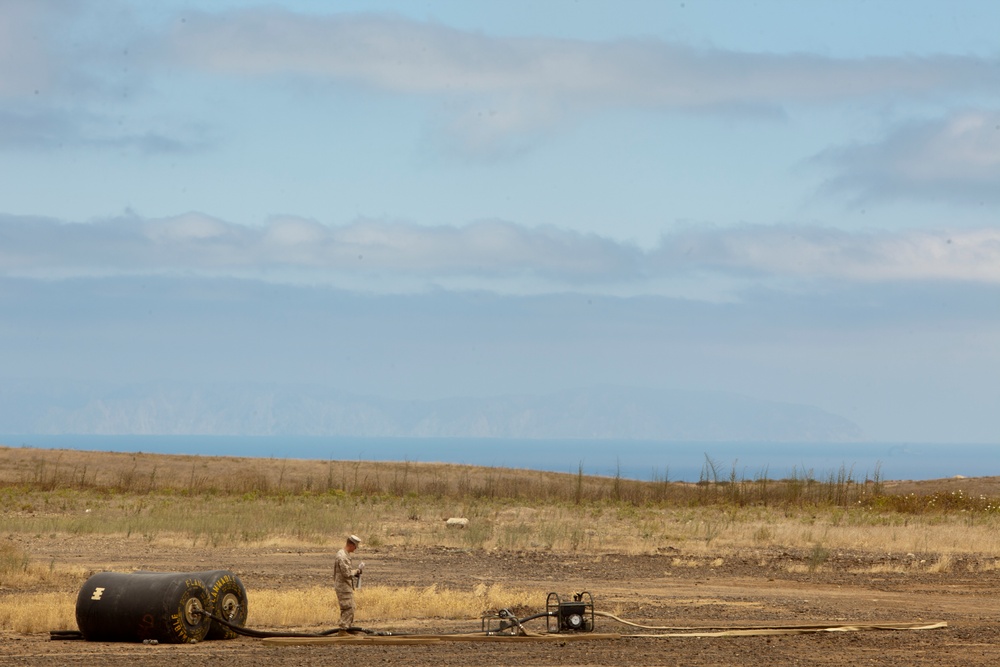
[[724, 551]]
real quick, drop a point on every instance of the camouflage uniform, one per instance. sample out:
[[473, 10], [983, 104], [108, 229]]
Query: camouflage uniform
[[343, 584]]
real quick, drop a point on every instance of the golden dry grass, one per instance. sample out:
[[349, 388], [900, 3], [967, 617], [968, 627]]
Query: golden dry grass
[[317, 606], [37, 612], [944, 563], [852, 530]]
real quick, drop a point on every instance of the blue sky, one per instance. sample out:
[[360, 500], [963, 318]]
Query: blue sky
[[797, 201]]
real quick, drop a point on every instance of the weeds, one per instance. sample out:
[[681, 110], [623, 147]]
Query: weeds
[[226, 501], [18, 570], [27, 472], [944, 563], [817, 557], [13, 560]]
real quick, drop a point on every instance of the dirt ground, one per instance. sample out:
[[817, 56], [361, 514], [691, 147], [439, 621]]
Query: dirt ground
[[749, 588]]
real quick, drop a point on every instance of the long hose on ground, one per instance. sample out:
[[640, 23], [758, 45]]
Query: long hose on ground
[[749, 631], [65, 635], [689, 631], [678, 628], [262, 634]]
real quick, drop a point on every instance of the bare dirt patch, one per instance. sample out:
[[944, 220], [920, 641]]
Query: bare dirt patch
[[749, 587]]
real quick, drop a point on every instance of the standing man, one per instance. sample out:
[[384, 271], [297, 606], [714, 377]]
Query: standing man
[[344, 578]]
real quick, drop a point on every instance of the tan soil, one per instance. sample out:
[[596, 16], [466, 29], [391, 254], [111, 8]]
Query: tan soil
[[753, 587]]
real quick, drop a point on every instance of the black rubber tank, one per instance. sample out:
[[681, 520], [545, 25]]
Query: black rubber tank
[[166, 607], [228, 597]]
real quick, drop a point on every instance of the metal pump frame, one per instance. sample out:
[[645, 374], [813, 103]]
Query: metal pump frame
[[575, 616]]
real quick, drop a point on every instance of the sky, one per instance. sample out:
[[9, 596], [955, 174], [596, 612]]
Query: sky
[[797, 202]]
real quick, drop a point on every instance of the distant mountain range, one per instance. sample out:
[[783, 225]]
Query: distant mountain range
[[612, 413]]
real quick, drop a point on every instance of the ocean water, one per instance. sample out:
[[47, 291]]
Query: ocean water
[[639, 460]]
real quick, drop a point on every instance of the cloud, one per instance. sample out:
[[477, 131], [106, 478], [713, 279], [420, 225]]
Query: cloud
[[197, 242], [401, 55], [58, 51], [494, 255], [494, 93], [38, 127], [956, 158], [798, 252], [28, 64], [69, 72]]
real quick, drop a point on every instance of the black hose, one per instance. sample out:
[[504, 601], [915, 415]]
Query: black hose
[[513, 622], [262, 634], [531, 618]]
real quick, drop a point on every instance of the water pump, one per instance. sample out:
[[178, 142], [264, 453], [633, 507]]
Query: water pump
[[570, 616]]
